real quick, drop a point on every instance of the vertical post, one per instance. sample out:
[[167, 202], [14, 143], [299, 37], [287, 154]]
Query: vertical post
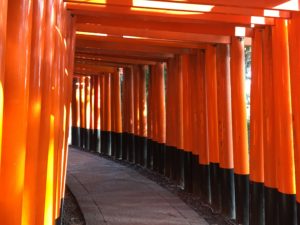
[[124, 113], [82, 112], [102, 115], [143, 116], [225, 131], [256, 137], [97, 113], [87, 104], [19, 21], [294, 43], [118, 115], [212, 124], [205, 192], [136, 81], [283, 125], [270, 183], [154, 113], [34, 114], [3, 20], [75, 112], [107, 112], [161, 116], [92, 113], [187, 132], [239, 128], [149, 122]]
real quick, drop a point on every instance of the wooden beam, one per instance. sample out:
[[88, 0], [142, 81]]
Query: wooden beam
[[80, 67], [127, 53], [179, 27], [164, 15], [236, 7], [95, 60], [129, 47], [154, 34]]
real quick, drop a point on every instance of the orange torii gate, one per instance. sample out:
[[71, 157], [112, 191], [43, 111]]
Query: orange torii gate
[[156, 83]]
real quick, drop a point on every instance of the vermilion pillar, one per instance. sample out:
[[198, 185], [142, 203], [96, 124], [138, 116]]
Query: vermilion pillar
[[283, 125], [87, 104], [92, 113], [150, 121], [142, 115], [294, 43], [205, 192], [256, 137], [270, 181], [3, 19], [82, 112], [161, 116], [116, 102], [44, 195], [212, 123], [15, 114], [170, 119], [102, 114], [34, 115], [107, 113], [124, 113], [136, 83], [187, 126], [97, 113], [239, 128], [225, 130], [76, 112]]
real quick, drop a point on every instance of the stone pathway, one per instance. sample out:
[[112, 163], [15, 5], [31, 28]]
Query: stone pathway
[[113, 194]]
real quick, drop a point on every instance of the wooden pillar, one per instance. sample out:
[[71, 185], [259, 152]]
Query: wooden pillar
[[256, 137], [82, 112], [239, 128], [294, 43], [161, 116], [117, 117], [142, 135], [29, 201], [204, 171], [136, 81], [283, 125], [225, 131], [97, 113], [107, 113], [270, 183], [75, 112], [150, 121], [187, 126], [19, 21], [87, 104], [102, 114], [212, 124], [3, 20]]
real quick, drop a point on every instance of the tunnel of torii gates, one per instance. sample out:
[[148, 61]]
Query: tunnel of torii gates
[[156, 83]]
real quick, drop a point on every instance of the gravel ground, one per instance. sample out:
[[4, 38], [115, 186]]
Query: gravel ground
[[71, 213]]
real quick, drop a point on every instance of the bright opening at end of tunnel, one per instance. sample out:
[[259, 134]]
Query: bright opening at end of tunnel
[[172, 6], [288, 5], [240, 31], [271, 13]]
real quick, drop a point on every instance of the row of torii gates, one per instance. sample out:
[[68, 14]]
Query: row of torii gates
[[156, 83]]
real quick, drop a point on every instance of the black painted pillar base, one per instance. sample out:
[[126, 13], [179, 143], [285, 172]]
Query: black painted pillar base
[[97, 140], [181, 175], [205, 191], [59, 220], [195, 175], [143, 151], [256, 203], [118, 145], [113, 144], [136, 149], [162, 158], [188, 185], [104, 142], [92, 141], [149, 153], [87, 140], [298, 212], [130, 147], [75, 131], [271, 215], [242, 198], [82, 138], [228, 192], [287, 209], [215, 186], [168, 161], [124, 146], [108, 142], [155, 153], [174, 163]]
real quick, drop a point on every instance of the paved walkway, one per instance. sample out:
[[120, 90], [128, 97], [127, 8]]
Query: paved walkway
[[113, 194]]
